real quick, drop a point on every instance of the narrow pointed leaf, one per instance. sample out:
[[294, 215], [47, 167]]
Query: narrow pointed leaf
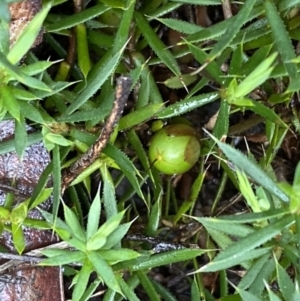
[[232, 31], [156, 44], [245, 248], [104, 271], [28, 36], [63, 259], [82, 280], [94, 216], [95, 80], [286, 284], [281, 37], [252, 170], [73, 222]]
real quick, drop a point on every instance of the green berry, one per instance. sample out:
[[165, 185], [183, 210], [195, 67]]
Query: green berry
[[174, 149]]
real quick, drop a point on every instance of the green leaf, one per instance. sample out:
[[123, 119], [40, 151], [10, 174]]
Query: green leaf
[[86, 115], [9, 102], [257, 287], [114, 3], [213, 68], [287, 4], [286, 285], [4, 28], [295, 297], [233, 260], [28, 36], [56, 174], [30, 112], [154, 219], [140, 151], [127, 290], [42, 197], [89, 293], [262, 110], [244, 249], [82, 280], [187, 105], [22, 94], [253, 217], [73, 241], [83, 56], [99, 238], [116, 236], [65, 257], [37, 67], [156, 44], [148, 287], [180, 26], [73, 222], [163, 291], [54, 88], [94, 216], [126, 166], [96, 78], [109, 197], [199, 2], [246, 296], [52, 252], [104, 271], [182, 81], [225, 226], [88, 171], [19, 213], [4, 213], [75, 19], [9, 145], [294, 86], [216, 30], [252, 170], [247, 191], [139, 116], [258, 76], [232, 31], [167, 258], [253, 272], [20, 137], [58, 225], [195, 291], [115, 256], [222, 123], [146, 76], [296, 181], [282, 39], [124, 26], [15, 74], [258, 56], [18, 238], [57, 139], [236, 61]]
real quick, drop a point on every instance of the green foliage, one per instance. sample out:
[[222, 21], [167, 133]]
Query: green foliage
[[246, 62], [89, 243]]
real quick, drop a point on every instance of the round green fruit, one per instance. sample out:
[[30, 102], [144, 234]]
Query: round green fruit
[[174, 149]]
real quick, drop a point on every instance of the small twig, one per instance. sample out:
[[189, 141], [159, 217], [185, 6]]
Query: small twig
[[32, 257], [11, 189], [20, 257], [227, 9], [93, 153]]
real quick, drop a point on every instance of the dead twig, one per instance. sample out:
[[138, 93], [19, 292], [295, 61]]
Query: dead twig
[[93, 153]]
